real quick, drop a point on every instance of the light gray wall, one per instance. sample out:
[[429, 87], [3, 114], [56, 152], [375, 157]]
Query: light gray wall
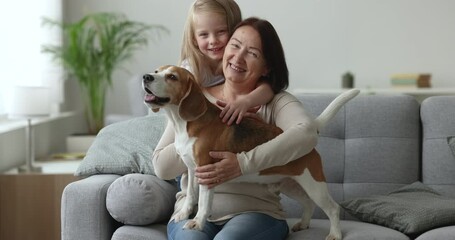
[[322, 38]]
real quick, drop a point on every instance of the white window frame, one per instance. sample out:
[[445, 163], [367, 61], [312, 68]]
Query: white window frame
[[21, 61]]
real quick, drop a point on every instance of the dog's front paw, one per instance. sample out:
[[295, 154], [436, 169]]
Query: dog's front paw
[[180, 216], [299, 226], [333, 236], [183, 214], [193, 224]]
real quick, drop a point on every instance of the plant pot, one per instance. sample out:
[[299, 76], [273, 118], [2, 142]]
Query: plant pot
[[79, 143]]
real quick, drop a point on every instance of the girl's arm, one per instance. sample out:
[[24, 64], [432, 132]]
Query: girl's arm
[[166, 162], [238, 108]]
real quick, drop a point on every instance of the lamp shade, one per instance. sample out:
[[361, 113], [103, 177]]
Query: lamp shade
[[27, 102]]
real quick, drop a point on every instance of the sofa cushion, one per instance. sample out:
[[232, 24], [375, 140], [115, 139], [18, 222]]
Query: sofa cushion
[[150, 232], [124, 147], [438, 162], [371, 146], [451, 142], [412, 209], [351, 230], [140, 199], [442, 233]]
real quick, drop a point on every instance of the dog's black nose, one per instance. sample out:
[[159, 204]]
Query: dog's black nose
[[148, 78]]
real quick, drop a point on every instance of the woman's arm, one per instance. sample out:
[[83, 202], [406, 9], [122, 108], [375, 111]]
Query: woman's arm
[[299, 138], [166, 162]]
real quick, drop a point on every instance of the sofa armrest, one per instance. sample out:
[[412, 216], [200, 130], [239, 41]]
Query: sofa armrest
[[83, 213]]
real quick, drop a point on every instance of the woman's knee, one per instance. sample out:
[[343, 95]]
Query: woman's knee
[[253, 226], [175, 231]]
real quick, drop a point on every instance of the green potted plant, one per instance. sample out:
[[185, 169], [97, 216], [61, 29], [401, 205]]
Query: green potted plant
[[93, 48]]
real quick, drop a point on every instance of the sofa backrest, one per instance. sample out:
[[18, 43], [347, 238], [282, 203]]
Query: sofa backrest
[[372, 146], [438, 161]]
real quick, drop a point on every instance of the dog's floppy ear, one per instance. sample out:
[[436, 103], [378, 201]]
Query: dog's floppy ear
[[193, 103]]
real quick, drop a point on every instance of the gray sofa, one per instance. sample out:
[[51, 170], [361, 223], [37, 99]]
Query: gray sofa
[[375, 145]]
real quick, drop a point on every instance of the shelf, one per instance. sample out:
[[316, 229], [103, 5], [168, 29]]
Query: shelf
[[53, 167], [410, 91], [7, 125], [418, 93]]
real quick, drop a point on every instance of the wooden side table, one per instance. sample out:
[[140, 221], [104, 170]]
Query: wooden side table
[[30, 202]]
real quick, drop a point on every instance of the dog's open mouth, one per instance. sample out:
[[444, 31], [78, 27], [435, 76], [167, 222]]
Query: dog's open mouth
[[153, 99]]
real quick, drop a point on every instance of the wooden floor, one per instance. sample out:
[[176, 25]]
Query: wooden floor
[[30, 205]]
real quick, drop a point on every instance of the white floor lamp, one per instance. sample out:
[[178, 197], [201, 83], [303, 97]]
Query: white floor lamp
[[28, 103]]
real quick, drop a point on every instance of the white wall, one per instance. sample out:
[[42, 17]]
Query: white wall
[[322, 38]]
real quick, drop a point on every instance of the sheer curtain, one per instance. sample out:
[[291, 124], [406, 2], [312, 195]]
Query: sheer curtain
[[21, 60]]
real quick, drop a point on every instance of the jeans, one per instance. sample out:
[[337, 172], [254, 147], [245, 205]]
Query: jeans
[[251, 226]]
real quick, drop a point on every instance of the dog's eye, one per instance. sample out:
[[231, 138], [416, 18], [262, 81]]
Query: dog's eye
[[172, 77], [156, 71]]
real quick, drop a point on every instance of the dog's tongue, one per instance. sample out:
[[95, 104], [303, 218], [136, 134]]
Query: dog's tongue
[[149, 97]]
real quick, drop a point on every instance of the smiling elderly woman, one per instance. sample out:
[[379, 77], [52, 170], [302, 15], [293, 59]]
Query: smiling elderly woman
[[245, 210]]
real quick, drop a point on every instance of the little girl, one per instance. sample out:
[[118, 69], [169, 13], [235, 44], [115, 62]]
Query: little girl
[[207, 31]]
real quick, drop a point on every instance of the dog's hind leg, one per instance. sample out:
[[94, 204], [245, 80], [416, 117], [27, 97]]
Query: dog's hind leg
[[292, 189], [190, 199], [319, 193]]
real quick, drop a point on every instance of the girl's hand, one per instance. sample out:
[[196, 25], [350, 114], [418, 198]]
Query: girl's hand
[[236, 110], [215, 174]]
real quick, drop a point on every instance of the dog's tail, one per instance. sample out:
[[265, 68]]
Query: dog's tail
[[334, 107]]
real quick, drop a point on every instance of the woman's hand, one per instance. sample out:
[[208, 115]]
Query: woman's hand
[[236, 110], [215, 174]]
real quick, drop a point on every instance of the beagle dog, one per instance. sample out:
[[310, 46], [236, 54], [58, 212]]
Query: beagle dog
[[200, 130]]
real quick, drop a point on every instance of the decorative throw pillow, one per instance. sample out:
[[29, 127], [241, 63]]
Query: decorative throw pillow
[[124, 147], [412, 209], [140, 199], [451, 142]]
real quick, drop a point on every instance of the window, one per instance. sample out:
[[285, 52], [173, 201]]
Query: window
[[21, 61]]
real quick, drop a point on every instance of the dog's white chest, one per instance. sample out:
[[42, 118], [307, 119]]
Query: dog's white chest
[[184, 147], [183, 143]]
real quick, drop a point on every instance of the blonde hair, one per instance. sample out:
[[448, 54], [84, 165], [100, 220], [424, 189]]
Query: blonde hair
[[190, 51]]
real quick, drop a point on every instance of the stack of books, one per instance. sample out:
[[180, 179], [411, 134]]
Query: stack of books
[[411, 80]]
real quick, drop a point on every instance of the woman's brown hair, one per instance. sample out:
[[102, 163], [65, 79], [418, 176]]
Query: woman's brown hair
[[273, 52]]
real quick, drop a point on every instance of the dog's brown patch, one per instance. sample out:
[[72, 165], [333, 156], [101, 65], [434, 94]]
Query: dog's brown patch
[[213, 135], [311, 161], [250, 133]]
